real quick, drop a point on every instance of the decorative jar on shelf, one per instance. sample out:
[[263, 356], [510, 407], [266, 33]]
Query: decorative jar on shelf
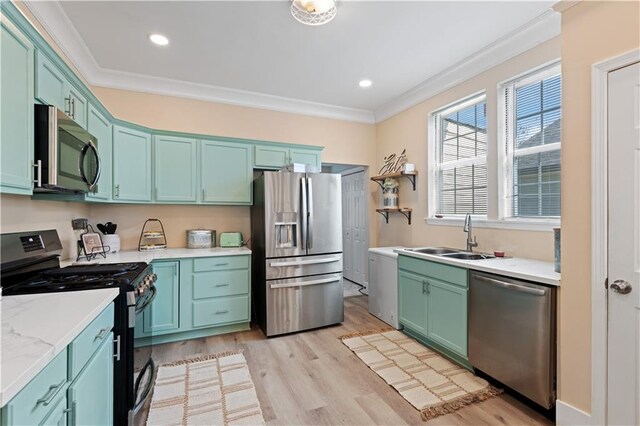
[[390, 193]]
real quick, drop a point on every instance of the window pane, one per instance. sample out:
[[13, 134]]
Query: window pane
[[464, 190], [537, 121]]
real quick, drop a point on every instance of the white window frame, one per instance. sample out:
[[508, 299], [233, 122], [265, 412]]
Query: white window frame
[[434, 155], [505, 142]]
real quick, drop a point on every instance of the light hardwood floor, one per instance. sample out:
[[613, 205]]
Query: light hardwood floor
[[311, 378]]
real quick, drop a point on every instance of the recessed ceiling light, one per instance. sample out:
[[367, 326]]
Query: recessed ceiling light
[[365, 83], [158, 39]]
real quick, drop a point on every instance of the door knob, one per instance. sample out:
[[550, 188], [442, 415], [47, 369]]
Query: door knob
[[621, 287]]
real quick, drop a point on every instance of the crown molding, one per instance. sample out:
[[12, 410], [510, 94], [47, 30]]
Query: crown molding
[[538, 30], [58, 25]]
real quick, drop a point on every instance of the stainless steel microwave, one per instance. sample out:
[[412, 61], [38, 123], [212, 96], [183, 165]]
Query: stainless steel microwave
[[66, 155]]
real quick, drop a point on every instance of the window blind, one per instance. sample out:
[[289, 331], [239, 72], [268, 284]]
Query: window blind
[[533, 125], [461, 158]]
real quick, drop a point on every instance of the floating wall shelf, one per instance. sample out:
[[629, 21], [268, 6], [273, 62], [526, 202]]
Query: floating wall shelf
[[410, 175], [405, 211]]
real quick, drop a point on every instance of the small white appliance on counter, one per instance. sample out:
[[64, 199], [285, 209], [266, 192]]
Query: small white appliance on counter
[[383, 284]]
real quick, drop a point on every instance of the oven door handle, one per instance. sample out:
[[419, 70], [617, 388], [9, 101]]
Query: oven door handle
[[147, 300], [139, 401]]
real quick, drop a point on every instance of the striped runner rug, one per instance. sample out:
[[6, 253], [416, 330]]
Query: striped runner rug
[[212, 390], [428, 381]]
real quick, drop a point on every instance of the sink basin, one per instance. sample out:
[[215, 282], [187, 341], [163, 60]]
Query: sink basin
[[468, 256], [439, 251]]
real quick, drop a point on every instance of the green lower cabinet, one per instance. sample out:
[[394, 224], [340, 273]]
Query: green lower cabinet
[[175, 162], [432, 304], [16, 110], [412, 301], [447, 315], [58, 415], [163, 315], [90, 395]]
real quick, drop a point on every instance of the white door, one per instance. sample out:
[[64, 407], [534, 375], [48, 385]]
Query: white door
[[347, 241], [623, 388], [359, 230]]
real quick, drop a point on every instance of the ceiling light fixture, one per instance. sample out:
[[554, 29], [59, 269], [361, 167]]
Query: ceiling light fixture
[[313, 12], [158, 39], [365, 83]]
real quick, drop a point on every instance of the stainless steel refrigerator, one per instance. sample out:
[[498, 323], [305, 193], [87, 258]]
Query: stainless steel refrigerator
[[296, 231]]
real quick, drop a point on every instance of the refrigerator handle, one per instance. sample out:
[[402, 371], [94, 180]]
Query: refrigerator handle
[[303, 213], [310, 213]]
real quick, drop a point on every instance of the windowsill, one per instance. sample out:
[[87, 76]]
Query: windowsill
[[542, 225]]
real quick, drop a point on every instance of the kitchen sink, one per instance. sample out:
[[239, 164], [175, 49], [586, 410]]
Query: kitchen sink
[[452, 253], [468, 256], [439, 251]]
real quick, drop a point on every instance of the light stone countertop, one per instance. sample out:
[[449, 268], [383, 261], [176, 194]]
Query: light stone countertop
[[37, 327], [129, 256], [514, 267]]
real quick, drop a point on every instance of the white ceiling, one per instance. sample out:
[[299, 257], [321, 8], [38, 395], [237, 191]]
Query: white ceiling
[[256, 46]]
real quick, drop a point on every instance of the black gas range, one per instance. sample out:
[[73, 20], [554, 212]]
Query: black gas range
[[30, 264]]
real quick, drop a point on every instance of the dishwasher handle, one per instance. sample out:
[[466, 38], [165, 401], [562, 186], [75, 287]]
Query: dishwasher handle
[[512, 286]]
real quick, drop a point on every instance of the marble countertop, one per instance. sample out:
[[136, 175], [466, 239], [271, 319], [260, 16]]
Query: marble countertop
[[127, 256], [37, 327], [514, 267]]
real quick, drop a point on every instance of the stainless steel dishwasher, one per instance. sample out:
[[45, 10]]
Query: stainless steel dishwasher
[[512, 334]]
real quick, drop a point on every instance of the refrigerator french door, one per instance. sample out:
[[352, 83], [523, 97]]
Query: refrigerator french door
[[297, 251]]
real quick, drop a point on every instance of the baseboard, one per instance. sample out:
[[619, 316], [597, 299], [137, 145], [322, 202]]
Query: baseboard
[[568, 415]]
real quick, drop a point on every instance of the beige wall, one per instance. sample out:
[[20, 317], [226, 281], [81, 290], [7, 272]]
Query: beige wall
[[591, 32], [20, 213], [409, 130]]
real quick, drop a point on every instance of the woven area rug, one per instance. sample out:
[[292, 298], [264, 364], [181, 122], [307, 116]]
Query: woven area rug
[[212, 390], [428, 381]]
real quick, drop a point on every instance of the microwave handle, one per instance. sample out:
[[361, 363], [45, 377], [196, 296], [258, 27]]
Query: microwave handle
[[89, 145]]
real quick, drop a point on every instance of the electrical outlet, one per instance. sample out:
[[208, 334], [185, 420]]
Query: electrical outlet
[[79, 223]]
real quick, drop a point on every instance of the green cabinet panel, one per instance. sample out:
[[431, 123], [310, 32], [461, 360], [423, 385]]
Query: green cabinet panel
[[88, 342], [306, 156], [175, 164], [90, 395], [447, 315], [51, 86], [163, 315], [77, 106], [226, 173], [220, 283], [218, 311], [218, 263], [448, 273], [16, 110], [270, 157], [100, 127], [58, 415], [33, 403], [412, 301], [131, 164]]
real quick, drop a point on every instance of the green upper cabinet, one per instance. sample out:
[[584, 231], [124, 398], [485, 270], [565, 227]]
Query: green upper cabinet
[[53, 88], [131, 164], [226, 172], [306, 156], [276, 156], [175, 163], [163, 315], [270, 157], [16, 110], [100, 127]]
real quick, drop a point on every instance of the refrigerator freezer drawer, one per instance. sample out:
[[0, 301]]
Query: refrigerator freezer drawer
[[304, 303], [305, 265]]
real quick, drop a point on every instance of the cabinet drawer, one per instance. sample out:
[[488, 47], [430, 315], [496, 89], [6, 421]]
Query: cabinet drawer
[[220, 263], [440, 271], [40, 396], [207, 313], [88, 342], [220, 283]]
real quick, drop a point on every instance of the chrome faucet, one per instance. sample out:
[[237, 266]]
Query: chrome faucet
[[471, 243]]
